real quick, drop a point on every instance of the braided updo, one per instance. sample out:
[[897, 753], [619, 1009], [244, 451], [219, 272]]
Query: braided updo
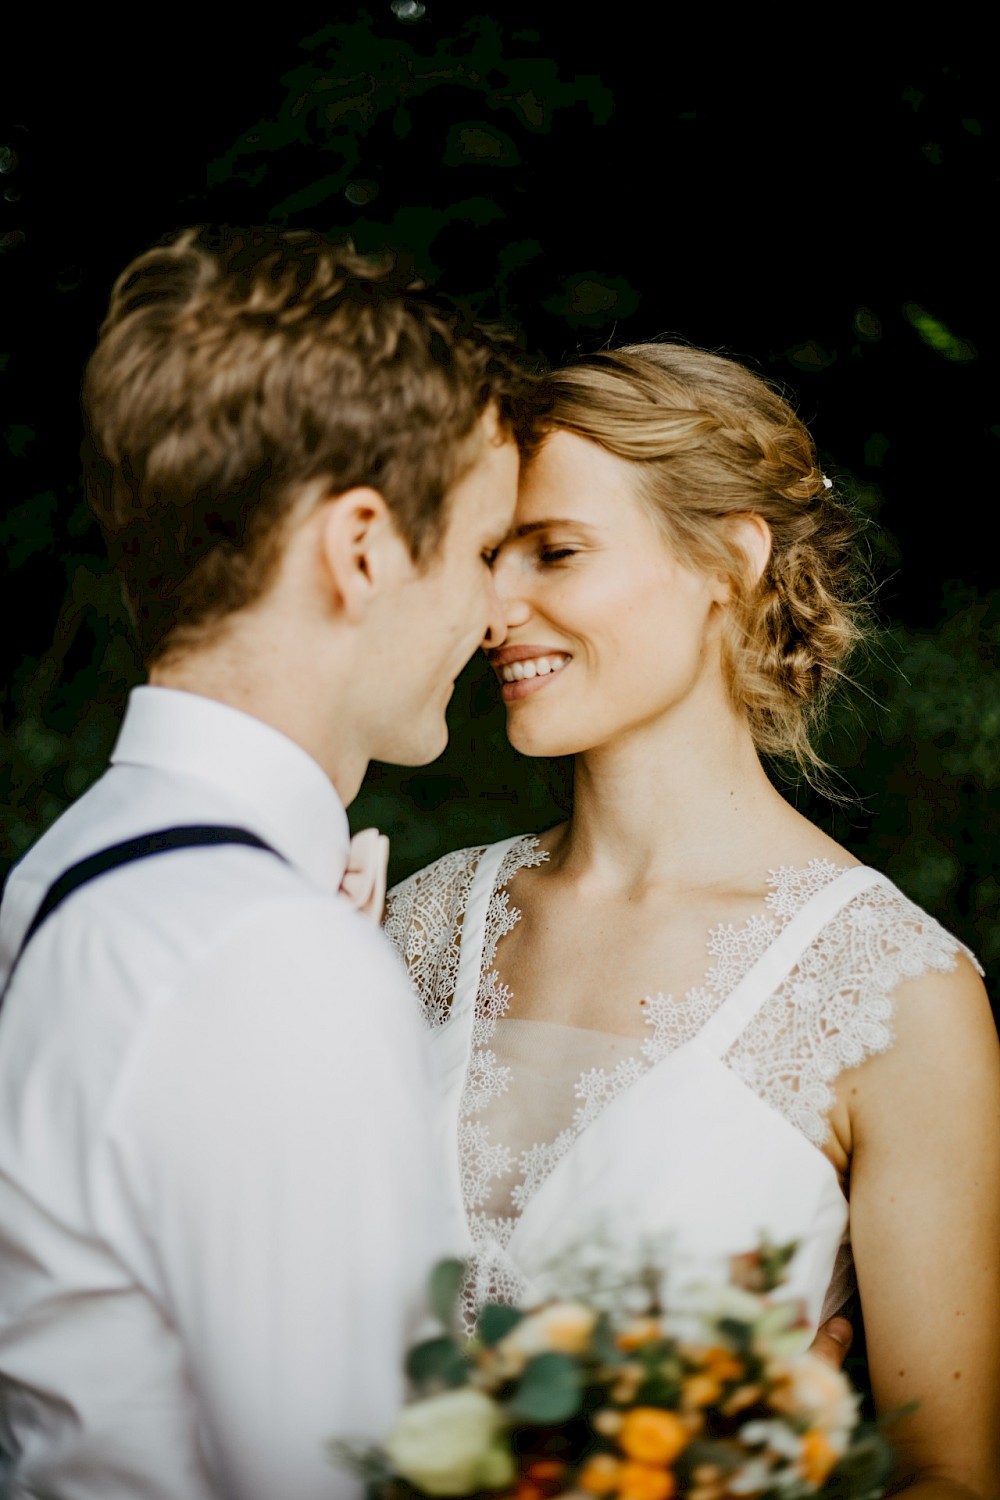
[[708, 441]]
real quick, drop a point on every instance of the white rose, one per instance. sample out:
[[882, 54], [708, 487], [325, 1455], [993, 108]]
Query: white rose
[[822, 1395], [451, 1444]]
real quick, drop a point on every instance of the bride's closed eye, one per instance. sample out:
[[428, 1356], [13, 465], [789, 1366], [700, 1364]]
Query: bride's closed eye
[[556, 554]]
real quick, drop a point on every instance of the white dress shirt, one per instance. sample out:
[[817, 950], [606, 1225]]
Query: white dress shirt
[[218, 1193]]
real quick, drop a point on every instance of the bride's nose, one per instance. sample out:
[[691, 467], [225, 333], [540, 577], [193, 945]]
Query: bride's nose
[[514, 608]]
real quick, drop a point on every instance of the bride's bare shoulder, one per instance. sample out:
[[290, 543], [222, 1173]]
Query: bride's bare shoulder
[[802, 841]]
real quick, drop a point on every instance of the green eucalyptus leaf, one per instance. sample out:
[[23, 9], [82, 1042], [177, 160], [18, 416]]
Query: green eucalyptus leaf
[[862, 1470], [495, 1321], [602, 1342], [706, 1451], [437, 1361], [443, 1289], [737, 1334], [549, 1391]]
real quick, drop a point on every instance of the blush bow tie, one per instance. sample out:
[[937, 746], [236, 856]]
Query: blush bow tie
[[364, 879]]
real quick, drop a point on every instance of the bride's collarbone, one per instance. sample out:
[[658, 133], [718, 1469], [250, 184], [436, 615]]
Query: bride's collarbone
[[595, 962]]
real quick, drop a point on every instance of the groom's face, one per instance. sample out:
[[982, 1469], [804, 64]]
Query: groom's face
[[448, 606]]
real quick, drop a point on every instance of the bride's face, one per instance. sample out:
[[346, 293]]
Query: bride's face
[[606, 630]]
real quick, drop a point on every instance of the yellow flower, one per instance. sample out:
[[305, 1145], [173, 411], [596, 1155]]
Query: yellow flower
[[599, 1475], [653, 1436], [628, 1380], [741, 1398], [640, 1331], [638, 1481], [700, 1390], [560, 1328], [722, 1363], [817, 1457]]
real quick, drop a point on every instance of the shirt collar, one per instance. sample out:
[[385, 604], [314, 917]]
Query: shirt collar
[[287, 797]]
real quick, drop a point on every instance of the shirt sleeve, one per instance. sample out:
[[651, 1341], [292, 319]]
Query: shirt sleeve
[[273, 1137]]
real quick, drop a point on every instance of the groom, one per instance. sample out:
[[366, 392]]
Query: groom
[[218, 1193]]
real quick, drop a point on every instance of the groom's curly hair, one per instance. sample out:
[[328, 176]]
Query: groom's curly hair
[[236, 366]]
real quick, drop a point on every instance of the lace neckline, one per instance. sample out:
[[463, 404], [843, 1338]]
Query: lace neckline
[[828, 1013], [735, 948]]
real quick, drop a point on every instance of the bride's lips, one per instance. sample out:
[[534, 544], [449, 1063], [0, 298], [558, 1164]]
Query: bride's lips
[[506, 656]]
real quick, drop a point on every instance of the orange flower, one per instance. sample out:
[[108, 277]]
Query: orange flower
[[741, 1398], [653, 1436], [640, 1331], [722, 1364], [599, 1474], [645, 1482], [818, 1457], [700, 1390], [546, 1474], [546, 1468], [527, 1491]]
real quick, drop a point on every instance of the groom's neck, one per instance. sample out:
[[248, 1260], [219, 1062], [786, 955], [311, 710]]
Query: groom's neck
[[284, 688]]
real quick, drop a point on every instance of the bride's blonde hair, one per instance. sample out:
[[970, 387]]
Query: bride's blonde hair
[[707, 440]]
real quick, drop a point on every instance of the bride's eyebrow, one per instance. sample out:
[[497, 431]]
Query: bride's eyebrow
[[530, 527]]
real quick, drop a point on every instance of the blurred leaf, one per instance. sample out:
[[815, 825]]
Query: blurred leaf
[[18, 437], [591, 299], [496, 1320], [549, 1391], [876, 448], [937, 336], [867, 325], [864, 1471], [811, 356], [28, 529], [443, 1289], [437, 1361], [476, 141]]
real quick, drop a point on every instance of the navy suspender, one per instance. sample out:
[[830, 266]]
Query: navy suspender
[[148, 844]]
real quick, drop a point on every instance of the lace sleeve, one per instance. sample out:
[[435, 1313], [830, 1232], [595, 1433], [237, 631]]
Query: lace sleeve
[[423, 920], [835, 1009]]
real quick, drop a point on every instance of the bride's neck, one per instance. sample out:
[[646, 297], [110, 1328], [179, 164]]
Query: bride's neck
[[671, 803]]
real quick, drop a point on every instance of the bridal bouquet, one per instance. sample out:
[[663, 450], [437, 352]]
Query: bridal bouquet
[[569, 1398]]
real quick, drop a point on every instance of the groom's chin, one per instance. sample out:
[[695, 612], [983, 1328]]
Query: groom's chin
[[418, 748]]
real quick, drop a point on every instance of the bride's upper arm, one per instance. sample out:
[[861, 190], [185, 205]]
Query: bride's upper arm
[[925, 1226]]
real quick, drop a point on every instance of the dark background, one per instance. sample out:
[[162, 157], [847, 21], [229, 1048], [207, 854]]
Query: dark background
[[823, 209]]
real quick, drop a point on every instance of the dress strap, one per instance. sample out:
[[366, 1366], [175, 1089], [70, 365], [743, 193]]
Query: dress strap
[[773, 967], [473, 938], [452, 1042]]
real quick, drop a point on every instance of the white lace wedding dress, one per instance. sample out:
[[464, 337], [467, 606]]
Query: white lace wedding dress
[[708, 1128]]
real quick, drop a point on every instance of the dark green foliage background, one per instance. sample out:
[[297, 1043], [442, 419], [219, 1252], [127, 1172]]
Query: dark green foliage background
[[592, 185]]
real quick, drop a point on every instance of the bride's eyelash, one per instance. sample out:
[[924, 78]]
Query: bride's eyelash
[[554, 554]]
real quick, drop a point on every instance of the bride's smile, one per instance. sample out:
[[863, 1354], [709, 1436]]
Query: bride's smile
[[524, 669]]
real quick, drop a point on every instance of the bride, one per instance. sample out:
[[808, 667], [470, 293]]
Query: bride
[[687, 1011]]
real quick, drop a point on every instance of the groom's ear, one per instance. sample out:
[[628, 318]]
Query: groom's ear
[[361, 551]]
